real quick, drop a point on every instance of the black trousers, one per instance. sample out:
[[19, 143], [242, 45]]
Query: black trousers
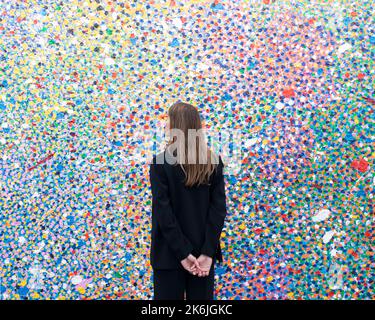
[[174, 284]]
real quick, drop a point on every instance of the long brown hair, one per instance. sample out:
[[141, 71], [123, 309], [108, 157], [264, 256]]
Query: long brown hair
[[185, 117]]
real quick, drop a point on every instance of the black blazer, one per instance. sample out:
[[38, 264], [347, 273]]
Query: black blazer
[[184, 220]]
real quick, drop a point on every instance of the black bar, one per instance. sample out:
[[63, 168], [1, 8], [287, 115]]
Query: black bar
[[138, 310]]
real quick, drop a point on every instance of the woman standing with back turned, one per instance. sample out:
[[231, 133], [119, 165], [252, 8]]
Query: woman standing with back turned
[[188, 211]]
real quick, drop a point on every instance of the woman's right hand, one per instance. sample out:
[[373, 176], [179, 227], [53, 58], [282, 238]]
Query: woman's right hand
[[204, 263]]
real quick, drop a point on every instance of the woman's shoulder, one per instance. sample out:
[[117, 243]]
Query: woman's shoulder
[[158, 158], [216, 158]]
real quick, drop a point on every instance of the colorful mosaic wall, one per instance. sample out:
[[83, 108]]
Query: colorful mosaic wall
[[79, 78]]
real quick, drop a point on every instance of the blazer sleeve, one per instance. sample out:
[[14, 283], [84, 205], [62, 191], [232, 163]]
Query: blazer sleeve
[[216, 213], [165, 217]]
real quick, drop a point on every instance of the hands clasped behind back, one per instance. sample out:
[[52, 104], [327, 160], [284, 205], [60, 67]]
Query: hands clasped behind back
[[197, 266]]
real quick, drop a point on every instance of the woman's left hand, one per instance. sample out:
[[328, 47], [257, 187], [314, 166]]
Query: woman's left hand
[[190, 264]]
